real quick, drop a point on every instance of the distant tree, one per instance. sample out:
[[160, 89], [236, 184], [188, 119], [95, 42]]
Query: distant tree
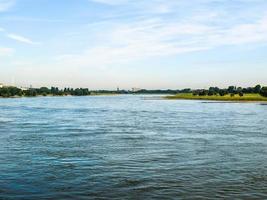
[[248, 90], [14, 91], [54, 91], [239, 89], [78, 92], [257, 89], [203, 92], [195, 93], [231, 89], [10, 92], [263, 91], [44, 91], [241, 94], [4, 92], [232, 94], [186, 90], [30, 93], [222, 92], [211, 93], [85, 91]]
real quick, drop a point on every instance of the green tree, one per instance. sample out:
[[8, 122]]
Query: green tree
[[30, 93], [263, 92], [203, 93], [257, 89], [223, 92], [231, 89]]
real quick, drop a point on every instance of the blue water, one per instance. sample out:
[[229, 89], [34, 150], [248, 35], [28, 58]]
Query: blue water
[[131, 147]]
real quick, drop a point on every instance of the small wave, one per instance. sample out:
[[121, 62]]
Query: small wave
[[5, 120]]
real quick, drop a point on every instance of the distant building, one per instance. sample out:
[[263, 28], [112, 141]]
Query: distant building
[[24, 88], [1, 85], [136, 89]]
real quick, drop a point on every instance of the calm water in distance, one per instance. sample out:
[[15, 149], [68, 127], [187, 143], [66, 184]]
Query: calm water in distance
[[131, 147]]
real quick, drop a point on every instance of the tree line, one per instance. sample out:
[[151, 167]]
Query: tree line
[[43, 91], [232, 90], [55, 91]]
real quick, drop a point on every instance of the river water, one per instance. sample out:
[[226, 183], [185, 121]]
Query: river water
[[131, 147]]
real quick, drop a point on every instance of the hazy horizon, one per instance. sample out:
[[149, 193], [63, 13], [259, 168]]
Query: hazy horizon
[[152, 44]]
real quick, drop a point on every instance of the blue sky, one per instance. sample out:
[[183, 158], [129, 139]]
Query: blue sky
[[102, 44]]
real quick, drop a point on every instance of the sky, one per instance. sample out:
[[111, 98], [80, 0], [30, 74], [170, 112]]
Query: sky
[[153, 44]]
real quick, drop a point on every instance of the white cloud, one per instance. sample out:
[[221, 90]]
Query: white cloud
[[6, 5], [138, 41], [21, 39], [6, 51], [153, 38], [247, 33]]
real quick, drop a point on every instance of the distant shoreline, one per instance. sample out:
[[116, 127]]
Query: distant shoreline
[[232, 93], [217, 98]]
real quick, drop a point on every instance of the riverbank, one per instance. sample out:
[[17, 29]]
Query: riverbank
[[236, 98]]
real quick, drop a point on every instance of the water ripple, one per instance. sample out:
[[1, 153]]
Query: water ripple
[[131, 147]]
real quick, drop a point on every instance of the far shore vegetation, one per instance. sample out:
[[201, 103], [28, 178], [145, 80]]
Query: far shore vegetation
[[231, 93], [11, 91], [228, 97]]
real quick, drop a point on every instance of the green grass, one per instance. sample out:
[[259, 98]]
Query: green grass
[[246, 97]]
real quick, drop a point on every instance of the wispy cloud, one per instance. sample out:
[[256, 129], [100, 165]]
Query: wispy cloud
[[126, 42], [22, 39], [132, 37], [6, 5]]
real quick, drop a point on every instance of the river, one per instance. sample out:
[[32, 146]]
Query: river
[[131, 147]]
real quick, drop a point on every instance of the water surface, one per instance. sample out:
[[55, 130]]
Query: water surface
[[130, 147]]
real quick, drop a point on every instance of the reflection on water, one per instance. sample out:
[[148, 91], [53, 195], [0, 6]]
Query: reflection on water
[[131, 147]]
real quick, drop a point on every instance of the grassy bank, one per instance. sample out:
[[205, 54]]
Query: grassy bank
[[246, 97]]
